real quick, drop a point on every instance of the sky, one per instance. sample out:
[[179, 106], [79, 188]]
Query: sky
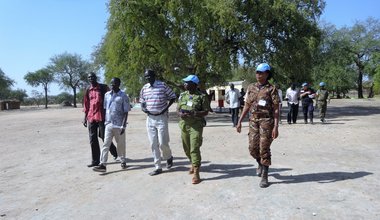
[[33, 31]]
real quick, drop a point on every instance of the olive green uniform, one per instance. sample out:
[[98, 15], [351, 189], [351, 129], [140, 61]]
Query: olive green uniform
[[322, 96], [192, 126], [261, 101]]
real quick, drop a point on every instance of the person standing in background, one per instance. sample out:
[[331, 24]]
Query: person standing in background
[[307, 95], [292, 96], [233, 99], [322, 97]]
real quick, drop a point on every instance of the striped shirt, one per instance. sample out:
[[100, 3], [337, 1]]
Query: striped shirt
[[156, 97]]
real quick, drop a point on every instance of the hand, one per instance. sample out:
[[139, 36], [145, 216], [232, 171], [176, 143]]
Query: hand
[[122, 130], [275, 132], [183, 114], [84, 122], [238, 127]]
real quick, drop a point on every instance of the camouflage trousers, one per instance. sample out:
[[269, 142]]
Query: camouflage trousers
[[260, 139], [322, 109]]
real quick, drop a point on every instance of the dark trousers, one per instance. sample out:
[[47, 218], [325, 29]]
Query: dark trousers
[[95, 130], [234, 115], [308, 108], [293, 113]]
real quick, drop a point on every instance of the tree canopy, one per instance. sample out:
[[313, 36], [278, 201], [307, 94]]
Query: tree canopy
[[41, 77], [71, 71], [209, 38]]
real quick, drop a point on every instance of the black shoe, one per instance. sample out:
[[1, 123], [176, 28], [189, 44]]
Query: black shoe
[[123, 165], [93, 164], [100, 168], [169, 162], [155, 172]]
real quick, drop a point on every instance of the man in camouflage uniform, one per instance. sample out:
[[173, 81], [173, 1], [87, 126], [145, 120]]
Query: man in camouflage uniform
[[262, 101], [192, 107], [322, 96]]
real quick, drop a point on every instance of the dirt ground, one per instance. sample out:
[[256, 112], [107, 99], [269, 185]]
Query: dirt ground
[[320, 171]]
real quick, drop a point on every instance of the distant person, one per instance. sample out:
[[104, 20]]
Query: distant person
[[192, 107], [322, 96], [292, 96], [280, 106], [307, 95], [233, 99], [94, 116], [242, 94], [156, 98], [262, 101], [117, 106]]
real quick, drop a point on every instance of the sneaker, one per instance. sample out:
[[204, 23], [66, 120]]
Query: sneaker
[[100, 168], [155, 172], [123, 165], [117, 159], [169, 162]]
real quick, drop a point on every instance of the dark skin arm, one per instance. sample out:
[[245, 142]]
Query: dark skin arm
[[125, 119]]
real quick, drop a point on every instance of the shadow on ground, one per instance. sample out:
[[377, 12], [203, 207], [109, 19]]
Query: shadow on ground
[[327, 177]]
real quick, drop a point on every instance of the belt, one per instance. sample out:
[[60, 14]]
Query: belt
[[260, 115]]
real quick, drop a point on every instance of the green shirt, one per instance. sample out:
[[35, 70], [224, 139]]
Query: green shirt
[[193, 102]]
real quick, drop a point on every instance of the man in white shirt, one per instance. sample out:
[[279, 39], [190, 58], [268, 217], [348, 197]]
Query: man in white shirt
[[233, 99], [293, 97]]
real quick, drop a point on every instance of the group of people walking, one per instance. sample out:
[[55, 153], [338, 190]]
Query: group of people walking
[[106, 115]]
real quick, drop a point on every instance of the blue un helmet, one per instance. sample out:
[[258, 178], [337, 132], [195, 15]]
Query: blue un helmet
[[305, 84], [321, 84], [264, 67]]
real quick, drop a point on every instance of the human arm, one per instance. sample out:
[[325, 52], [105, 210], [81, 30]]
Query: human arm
[[276, 117], [242, 116]]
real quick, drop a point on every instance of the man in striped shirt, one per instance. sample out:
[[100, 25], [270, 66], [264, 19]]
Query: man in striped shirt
[[156, 98]]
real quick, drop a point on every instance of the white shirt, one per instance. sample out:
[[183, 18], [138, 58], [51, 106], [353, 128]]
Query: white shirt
[[233, 97], [292, 95]]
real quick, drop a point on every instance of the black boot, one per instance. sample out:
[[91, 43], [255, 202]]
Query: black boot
[[259, 169], [264, 178]]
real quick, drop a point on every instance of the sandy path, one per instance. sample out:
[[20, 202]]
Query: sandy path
[[328, 171]]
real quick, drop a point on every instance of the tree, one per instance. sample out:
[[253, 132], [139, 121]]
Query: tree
[[5, 85], [40, 77], [208, 38], [362, 42], [71, 70], [332, 63]]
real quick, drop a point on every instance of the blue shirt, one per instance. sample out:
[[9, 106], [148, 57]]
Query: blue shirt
[[116, 105]]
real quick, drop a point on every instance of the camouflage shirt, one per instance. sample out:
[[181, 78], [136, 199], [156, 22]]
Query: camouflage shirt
[[262, 98]]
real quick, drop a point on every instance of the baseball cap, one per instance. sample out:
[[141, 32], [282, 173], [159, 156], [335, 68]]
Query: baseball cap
[[262, 67], [192, 78]]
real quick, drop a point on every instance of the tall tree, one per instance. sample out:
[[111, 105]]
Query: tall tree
[[5, 85], [208, 37], [362, 42], [41, 77], [71, 70]]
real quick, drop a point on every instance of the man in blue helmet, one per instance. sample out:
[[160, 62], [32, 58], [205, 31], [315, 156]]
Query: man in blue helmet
[[262, 101], [322, 96]]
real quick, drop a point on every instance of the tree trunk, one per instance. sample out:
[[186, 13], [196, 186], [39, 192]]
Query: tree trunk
[[75, 97], [46, 97], [360, 84], [371, 93]]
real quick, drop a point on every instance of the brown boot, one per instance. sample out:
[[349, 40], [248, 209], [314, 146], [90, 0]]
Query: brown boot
[[191, 171], [259, 169], [196, 178], [264, 178]]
